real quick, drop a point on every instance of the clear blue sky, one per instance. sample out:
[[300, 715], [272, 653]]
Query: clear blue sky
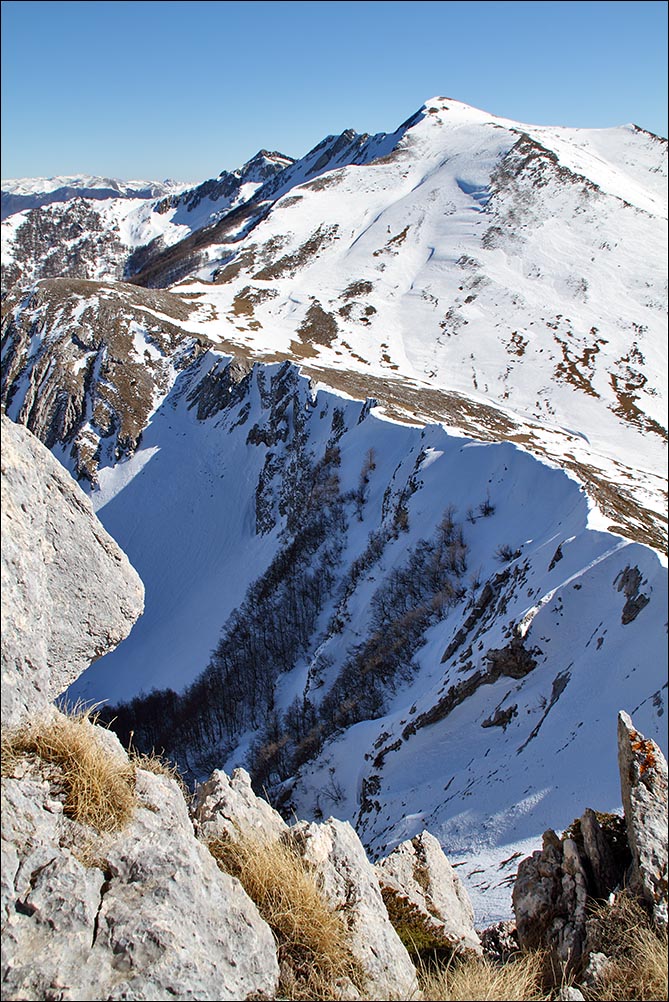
[[187, 89]]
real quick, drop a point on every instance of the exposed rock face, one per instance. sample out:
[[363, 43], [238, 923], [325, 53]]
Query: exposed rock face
[[500, 941], [227, 807], [69, 593], [349, 883], [643, 781], [84, 364], [598, 854], [149, 916], [550, 898], [424, 894]]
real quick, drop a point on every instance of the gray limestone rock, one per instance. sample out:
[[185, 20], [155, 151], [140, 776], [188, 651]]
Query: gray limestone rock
[[425, 896], [350, 884], [69, 593], [146, 914], [550, 899], [226, 807], [643, 782]]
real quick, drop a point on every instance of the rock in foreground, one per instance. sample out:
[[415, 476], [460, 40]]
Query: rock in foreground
[[69, 593]]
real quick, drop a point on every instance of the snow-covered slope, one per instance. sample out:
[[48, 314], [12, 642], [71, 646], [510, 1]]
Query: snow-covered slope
[[419, 611], [521, 266]]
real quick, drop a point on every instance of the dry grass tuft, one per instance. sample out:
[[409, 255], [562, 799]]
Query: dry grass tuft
[[98, 787], [483, 979], [637, 969], [312, 942]]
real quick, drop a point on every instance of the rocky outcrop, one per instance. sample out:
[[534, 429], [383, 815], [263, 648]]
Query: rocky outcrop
[[426, 899], [144, 913], [69, 593], [85, 363], [227, 808], [598, 855], [349, 883], [550, 899], [643, 782]]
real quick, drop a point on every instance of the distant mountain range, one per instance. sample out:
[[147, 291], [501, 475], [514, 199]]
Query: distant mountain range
[[383, 430]]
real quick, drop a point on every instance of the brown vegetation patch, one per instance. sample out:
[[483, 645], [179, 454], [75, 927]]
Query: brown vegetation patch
[[318, 326], [480, 978], [314, 956], [244, 261], [625, 388], [248, 298], [289, 264], [637, 966], [328, 180], [98, 788], [362, 287]]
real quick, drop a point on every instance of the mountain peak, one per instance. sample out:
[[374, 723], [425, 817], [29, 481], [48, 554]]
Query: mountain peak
[[455, 109]]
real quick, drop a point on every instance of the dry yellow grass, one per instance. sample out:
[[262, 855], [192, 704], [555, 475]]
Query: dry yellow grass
[[98, 787], [638, 965], [312, 942], [486, 981]]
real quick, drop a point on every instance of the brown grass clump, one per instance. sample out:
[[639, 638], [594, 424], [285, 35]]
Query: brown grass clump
[[482, 979], [637, 968], [314, 955], [98, 788]]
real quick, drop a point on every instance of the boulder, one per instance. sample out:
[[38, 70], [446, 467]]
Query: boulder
[[227, 807], [349, 883], [643, 782], [426, 898], [144, 913], [69, 593]]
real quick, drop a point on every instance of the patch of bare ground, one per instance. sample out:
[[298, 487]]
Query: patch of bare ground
[[393, 243], [318, 326], [244, 261], [288, 265], [577, 369], [362, 287], [328, 180], [625, 388], [248, 298]]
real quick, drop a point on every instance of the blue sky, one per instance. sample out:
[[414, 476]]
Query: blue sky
[[187, 89]]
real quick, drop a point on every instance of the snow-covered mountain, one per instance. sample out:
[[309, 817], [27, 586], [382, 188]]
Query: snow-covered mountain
[[19, 194], [420, 610], [98, 228]]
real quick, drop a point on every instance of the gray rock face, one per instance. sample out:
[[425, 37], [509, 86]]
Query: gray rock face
[[69, 593], [226, 807], [643, 782], [423, 892], [147, 915], [550, 898], [554, 886], [349, 883]]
